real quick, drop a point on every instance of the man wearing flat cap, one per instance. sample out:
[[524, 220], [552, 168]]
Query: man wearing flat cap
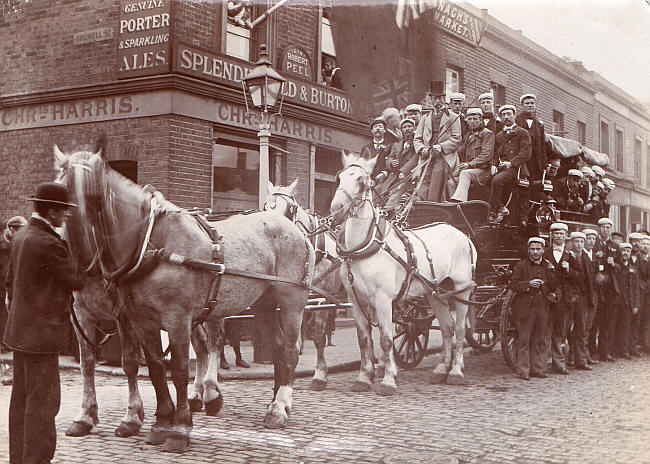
[[534, 285], [475, 155], [636, 336], [561, 310], [492, 122], [528, 120], [437, 139], [591, 237], [379, 146], [609, 185], [400, 163], [456, 102], [414, 112], [40, 279], [625, 299]]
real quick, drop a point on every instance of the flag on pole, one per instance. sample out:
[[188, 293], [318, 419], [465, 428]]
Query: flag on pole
[[384, 62]]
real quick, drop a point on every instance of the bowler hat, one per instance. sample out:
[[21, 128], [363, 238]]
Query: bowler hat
[[52, 192], [437, 88]]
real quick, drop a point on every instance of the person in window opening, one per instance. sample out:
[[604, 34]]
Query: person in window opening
[[512, 150], [40, 280]]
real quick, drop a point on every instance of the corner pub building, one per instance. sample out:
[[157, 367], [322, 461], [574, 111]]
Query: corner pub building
[[161, 80]]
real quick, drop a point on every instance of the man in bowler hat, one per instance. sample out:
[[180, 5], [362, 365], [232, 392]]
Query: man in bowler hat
[[40, 280]]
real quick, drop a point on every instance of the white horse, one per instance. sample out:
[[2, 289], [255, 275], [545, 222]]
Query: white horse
[[373, 277], [282, 200]]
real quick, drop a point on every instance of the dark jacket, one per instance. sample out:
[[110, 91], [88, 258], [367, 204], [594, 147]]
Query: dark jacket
[[513, 147], [563, 289], [582, 280], [492, 123], [565, 197], [368, 151], [625, 285], [404, 153], [537, 162], [527, 297], [41, 277], [478, 149]]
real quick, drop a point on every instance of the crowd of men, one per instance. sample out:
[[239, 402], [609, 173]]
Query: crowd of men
[[438, 155], [582, 299]]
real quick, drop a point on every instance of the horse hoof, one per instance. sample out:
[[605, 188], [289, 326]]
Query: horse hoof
[[275, 421], [455, 379], [213, 407], [386, 390], [380, 371], [438, 377], [359, 386], [318, 384], [176, 444], [196, 405], [127, 429], [157, 437], [78, 429]]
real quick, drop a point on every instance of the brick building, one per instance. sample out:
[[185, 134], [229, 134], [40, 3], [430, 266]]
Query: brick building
[[161, 80]]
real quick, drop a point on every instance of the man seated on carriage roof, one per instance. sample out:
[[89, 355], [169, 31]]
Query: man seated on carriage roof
[[475, 155], [399, 163], [512, 150]]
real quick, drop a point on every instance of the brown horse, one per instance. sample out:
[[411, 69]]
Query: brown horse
[[283, 201], [168, 294]]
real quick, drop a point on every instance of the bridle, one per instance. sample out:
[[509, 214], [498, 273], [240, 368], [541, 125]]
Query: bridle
[[292, 204], [355, 203]]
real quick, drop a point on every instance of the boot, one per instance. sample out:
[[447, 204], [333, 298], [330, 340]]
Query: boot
[[224, 363], [241, 363]]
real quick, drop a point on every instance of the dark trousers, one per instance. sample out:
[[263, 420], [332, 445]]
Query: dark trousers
[[599, 333], [35, 401], [590, 321], [232, 332], [645, 321], [532, 328], [619, 329], [499, 183], [579, 333], [560, 315]]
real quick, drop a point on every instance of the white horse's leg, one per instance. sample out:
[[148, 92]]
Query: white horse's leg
[[199, 342], [88, 417], [212, 397], [456, 376], [319, 325], [384, 311], [447, 330], [366, 369], [132, 421]]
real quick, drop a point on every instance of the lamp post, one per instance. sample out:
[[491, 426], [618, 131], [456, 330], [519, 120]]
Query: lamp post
[[264, 86]]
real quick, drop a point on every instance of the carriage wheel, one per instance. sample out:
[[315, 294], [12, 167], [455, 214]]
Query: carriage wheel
[[482, 326], [508, 332], [410, 342]]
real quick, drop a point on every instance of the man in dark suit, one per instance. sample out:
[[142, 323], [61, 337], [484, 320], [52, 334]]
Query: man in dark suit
[[606, 251], [535, 127], [40, 279], [490, 121], [625, 299], [512, 151], [561, 310], [378, 147], [400, 162], [585, 294], [533, 282], [591, 237]]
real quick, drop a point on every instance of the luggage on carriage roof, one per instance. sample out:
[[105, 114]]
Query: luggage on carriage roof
[[567, 148]]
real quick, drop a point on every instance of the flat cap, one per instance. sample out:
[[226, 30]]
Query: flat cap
[[527, 95], [485, 96], [598, 170], [575, 172], [605, 220], [456, 96], [635, 236], [618, 234], [609, 183], [405, 120], [537, 240], [589, 232], [414, 107], [600, 185], [474, 111], [559, 226], [625, 245], [577, 234], [586, 170], [508, 107]]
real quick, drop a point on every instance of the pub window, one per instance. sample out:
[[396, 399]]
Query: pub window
[[238, 33], [499, 93], [619, 150], [604, 138], [327, 163], [236, 169], [582, 132], [453, 80], [558, 123]]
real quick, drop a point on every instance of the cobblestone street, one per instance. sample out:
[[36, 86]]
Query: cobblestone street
[[587, 417]]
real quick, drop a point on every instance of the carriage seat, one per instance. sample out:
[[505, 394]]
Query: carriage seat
[[463, 215]]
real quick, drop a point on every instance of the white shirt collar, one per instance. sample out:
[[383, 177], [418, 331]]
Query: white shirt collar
[[529, 122]]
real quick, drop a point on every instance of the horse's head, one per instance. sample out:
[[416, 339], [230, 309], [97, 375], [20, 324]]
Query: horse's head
[[354, 184], [282, 200]]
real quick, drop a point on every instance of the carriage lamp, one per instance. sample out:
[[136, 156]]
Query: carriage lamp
[[263, 86]]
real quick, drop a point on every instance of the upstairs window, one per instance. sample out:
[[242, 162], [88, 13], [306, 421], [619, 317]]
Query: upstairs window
[[238, 33]]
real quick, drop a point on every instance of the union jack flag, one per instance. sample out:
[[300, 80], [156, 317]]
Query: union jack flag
[[408, 10]]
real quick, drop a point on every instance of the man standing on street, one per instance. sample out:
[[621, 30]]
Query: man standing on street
[[625, 301], [596, 266], [528, 120], [636, 332], [40, 279], [534, 285]]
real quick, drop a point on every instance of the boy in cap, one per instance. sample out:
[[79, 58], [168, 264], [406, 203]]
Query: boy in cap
[[512, 150], [475, 155], [534, 285], [567, 191], [437, 139], [490, 121], [584, 291], [379, 147], [528, 120], [624, 301], [40, 279], [561, 310]]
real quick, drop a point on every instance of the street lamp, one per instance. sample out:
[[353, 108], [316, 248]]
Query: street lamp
[[264, 86]]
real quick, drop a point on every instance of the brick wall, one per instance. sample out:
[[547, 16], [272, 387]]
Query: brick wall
[[198, 23], [298, 166], [297, 25]]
